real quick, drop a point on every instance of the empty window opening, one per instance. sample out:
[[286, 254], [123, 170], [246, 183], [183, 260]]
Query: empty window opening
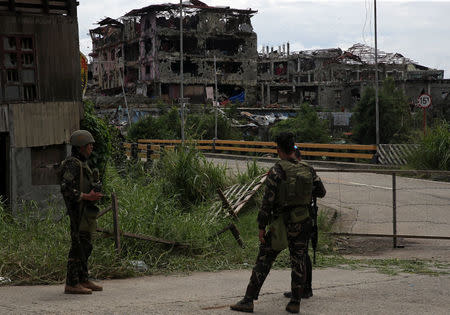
[[26, 44], [229, 47], [188, 67]]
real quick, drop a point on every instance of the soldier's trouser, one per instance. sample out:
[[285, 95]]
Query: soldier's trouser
[[297, 235], [80, 250], [308, 268]]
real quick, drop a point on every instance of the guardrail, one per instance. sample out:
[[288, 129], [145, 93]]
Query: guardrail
[[151, 148], [436, 208]]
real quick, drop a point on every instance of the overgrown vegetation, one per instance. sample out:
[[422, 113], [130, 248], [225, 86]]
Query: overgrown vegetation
[[101, 133], [306, 126], [159, 201], [433, 151], [393, 112], [168, 126]]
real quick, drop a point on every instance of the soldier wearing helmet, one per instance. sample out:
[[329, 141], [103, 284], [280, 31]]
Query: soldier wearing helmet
[[284, 222], [80, 187]]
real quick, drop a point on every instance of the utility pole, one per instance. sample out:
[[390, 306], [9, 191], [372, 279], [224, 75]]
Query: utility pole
[[215, 97], [181, 72], [377, 110]]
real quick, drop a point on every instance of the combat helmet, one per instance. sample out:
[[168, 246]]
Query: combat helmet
[[80, 138]]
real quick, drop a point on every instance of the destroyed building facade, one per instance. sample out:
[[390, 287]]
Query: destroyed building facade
[[40, 95], [334, 80], [140, 52], [143, 49]]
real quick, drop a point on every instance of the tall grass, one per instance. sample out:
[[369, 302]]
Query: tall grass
[[434, 149], [159, 202]]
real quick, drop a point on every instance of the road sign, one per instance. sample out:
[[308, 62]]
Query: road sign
[[424, 100]]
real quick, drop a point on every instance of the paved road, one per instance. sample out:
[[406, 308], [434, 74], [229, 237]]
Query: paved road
[[336, 291], [364, 205], [364, 202]]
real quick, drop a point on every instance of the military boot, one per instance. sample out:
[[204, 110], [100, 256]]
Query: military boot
[[76, 289], [293, 306], [244, 305], [91, 285]]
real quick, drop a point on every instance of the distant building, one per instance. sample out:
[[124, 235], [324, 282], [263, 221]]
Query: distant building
[[142, 51], [334, 80], [144, 47], [40, 95]]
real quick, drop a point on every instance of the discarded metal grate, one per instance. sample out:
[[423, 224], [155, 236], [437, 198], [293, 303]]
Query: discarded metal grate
[[237, 196]]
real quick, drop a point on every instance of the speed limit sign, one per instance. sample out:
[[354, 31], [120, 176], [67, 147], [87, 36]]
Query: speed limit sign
[[424, 100]]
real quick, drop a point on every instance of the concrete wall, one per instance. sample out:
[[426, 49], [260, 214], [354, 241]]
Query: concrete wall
[[21, 187]]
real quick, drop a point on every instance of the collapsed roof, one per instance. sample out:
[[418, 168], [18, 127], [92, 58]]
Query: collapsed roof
[[188, 5]]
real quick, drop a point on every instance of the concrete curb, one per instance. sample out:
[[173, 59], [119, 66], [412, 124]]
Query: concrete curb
[[315, 163]]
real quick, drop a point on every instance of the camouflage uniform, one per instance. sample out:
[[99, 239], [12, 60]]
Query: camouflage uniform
[[82, 215], [297, 235]]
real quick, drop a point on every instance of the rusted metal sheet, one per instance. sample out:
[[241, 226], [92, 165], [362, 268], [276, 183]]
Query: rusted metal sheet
[[4, 124], [40, 124]]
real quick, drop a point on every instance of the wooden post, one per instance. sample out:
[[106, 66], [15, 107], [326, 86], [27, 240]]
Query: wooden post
[[394, 211], [115, 211]]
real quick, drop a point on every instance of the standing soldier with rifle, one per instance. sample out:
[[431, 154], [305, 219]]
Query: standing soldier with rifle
[[80, 187], [285, 209], [318, 191]]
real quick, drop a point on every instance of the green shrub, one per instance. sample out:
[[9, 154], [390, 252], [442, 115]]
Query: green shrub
[[100, 131], [394, 114], [188, 176], [306, 126], [434, 149], [166, 126]]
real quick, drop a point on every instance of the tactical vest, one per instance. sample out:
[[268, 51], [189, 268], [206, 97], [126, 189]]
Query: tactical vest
[[295, 192], [88, 208]]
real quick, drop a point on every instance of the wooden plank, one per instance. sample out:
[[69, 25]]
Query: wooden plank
[[239, 149], [361, 147], [142, 147], [154, 156], [146, 238], [338, 154], [249, 196], [155, 147], [115, 210], [204, 147], [127, 145], [243, 142], [169, 148], [104, 212]]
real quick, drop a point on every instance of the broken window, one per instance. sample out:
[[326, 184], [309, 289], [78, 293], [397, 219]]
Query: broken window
[[280, 68], [227, 66], [227, 46], [132, 52], [337, 94], [17, 69], [263, 67], [148, 46], [188, 67]]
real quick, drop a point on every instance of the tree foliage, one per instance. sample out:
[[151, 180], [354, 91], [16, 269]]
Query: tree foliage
[[100, 131], [168, 126], [395, 118], [306, 126]]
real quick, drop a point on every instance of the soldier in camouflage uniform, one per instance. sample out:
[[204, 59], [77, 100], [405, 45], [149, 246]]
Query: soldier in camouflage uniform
[[298, 224], [80, 188]]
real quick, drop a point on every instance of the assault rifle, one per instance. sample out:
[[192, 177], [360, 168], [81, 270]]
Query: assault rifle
[[315, 231]]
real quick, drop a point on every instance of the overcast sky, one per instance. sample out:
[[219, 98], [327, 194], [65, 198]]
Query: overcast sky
[[419, 30]]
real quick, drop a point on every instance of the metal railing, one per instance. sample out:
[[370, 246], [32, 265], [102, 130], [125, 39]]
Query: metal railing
[[435, 202]]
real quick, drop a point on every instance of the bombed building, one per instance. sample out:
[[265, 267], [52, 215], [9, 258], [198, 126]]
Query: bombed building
[[333, 79], [141, 50]]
